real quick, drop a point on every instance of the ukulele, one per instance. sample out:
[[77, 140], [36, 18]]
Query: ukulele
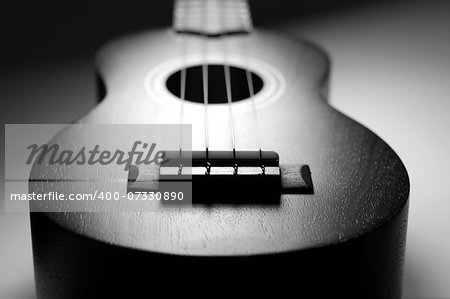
[[290, 197]]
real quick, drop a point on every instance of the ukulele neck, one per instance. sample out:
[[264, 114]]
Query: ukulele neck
[[212, 18]]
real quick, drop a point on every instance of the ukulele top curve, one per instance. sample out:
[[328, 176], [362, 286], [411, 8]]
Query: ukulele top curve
[[359, 182]]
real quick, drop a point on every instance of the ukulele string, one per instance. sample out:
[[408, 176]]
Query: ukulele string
[[205, 77], [183, 74], [226, 69], [250, 85]]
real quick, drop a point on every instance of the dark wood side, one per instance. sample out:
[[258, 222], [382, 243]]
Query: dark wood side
[[68, 265]]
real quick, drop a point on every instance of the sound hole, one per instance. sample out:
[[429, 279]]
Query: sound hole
[[217, 92]]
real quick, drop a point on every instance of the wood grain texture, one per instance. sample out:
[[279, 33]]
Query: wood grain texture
[[361, 187]]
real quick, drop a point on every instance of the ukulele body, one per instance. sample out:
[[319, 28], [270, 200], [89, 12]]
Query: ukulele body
[[346, 239]]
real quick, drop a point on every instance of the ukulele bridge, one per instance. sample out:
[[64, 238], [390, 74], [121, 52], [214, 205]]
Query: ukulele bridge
[[212, 163], [235, 177]]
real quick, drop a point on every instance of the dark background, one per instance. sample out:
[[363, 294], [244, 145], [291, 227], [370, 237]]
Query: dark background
[[54, 29]]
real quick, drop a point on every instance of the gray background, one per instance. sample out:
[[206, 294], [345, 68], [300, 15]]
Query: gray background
[[391, 71]]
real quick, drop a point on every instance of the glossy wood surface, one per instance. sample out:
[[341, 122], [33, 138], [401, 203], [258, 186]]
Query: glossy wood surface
[[359, 181], [347, 239]]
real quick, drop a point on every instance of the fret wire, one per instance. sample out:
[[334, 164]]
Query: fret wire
[[200, 16]]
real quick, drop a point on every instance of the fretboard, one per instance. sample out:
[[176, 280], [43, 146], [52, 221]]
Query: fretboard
[[212, 17]]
